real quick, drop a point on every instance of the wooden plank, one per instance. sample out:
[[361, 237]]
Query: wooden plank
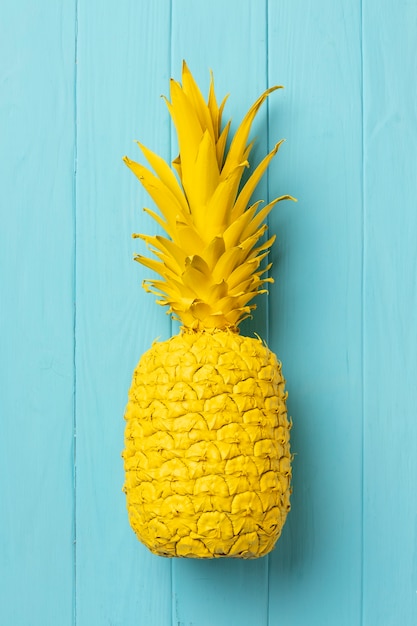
[[36, 312], [390, 313], [229, 38], [222, 591], [123, 67], [315, 317]]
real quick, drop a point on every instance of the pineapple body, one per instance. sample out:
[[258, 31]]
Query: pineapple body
[[207, 454]]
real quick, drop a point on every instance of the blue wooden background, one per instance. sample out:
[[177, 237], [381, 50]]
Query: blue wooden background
[[80, 80]]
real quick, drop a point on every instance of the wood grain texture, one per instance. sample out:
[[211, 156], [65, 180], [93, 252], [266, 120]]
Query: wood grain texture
[[341, 315], [123, 67], [315, 318], [36, 313], [390, 313]]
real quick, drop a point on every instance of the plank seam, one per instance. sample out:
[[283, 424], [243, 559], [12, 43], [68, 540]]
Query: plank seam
[[74, 294], [169, 63], [268, 302], [362, 311]]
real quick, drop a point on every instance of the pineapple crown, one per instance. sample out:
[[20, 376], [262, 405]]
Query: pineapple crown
[[209, 264]]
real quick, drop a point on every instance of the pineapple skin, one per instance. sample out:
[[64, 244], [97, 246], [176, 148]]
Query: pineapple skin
[[207, 453]]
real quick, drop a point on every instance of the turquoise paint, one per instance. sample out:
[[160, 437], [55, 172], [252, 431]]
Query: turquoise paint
[[36, 313], [341, 314]]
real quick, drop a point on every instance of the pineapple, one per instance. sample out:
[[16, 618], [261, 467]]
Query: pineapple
[[207, 453]]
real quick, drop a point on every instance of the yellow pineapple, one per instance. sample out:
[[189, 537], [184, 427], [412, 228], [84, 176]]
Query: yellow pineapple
[[207, 453]]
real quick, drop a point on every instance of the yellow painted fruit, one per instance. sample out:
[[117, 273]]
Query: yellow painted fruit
[[207, 447], [207, 454]]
